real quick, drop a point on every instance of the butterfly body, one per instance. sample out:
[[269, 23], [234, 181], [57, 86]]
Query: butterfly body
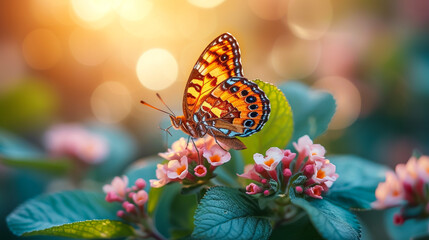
[[219, 100]]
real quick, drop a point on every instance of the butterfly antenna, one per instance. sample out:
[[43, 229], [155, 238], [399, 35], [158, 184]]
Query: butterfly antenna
[[147, 104], [159, 96]]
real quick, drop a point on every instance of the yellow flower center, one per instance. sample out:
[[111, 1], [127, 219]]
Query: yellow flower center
[[215, 158], [321, 174], [200, 170], [269, 162], [395, 193], [313, 153], [179, 170]]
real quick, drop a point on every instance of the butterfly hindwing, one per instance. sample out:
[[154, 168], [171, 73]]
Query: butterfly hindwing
[[235, 108], [219, 61]]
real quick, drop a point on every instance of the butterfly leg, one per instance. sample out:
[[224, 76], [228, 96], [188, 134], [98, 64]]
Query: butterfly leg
[[198, 152], [211, 131]]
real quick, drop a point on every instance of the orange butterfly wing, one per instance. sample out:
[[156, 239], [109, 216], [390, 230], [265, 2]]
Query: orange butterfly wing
[[219, 61]]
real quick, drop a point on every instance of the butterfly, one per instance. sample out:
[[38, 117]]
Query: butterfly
[[219, 100]]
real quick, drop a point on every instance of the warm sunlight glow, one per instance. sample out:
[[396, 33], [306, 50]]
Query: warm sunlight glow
[[41, 49], [293, 58], [206, 3], [347, 97], [269, 9], [92, 10], [111, 102], [89, 47], [309, 19], [157, 69], [134, 10]]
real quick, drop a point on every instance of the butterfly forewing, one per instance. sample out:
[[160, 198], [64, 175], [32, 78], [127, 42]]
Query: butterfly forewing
[[218, 62]]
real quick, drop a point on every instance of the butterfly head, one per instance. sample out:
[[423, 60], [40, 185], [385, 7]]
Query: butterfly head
[[177, 122]]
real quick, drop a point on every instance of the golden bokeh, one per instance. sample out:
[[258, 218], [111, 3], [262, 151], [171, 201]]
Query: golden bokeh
[[347, 97], [89, 47], [206, 3], [269, 9], [293, 58], [111, 102], [41, 49], [309, 19], [157, 69]]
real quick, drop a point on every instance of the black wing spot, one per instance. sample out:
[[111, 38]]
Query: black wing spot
[[253, 114], [253, 107], [244, 93], [249, 123], [250, 99], [224, 57], [234, 89]]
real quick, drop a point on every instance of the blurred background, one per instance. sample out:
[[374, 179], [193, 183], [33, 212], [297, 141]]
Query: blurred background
[[92, 61]]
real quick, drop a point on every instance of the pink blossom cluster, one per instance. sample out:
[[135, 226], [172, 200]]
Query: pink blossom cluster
[[408, 187], [132, 198], [308, 172], [72, 140], [190, 163]]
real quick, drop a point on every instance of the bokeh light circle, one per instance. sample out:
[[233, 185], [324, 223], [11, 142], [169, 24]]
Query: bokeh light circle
[[111, 102], [269, 9], [41, 49], [347, 97], [92, 10], [157, 69], [134, 10], [293, 58], [89, 47], [309, 19], [206, 3]]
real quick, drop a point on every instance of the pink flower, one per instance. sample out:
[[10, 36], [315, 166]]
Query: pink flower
[[325, 173], [304, 145], [315, 192], [129, 207], [317, 150], [75, 141], [176, 169], [118, 187], [178, 149], [140, 198], [216, 156], [253, 189], [200, 171], [408, 173], [288, 157], [270, 162], [423, 168], [389, 193], [161, 174], [250, 173]]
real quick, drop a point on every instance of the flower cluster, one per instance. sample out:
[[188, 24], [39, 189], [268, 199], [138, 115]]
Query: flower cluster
[[132, 198], [74, 141], [190, 163], [408, 187], [307, 172]]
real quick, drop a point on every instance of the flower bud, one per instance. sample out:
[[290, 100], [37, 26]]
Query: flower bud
[[129, 207], [140, 183], [287, 172], [253, 189], [299, 189], [264, 181], [267, 192], [308, 170], [398, 219], [120, 213]]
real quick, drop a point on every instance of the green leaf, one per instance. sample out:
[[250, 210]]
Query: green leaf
[[357, 181], [161, 200], [61, 208], [12, 146], [312, 109], [331, 221], [301, 228], [51, 166], [278, 129], [88, 229], [227, 213], [411, 229], [182, 215]]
